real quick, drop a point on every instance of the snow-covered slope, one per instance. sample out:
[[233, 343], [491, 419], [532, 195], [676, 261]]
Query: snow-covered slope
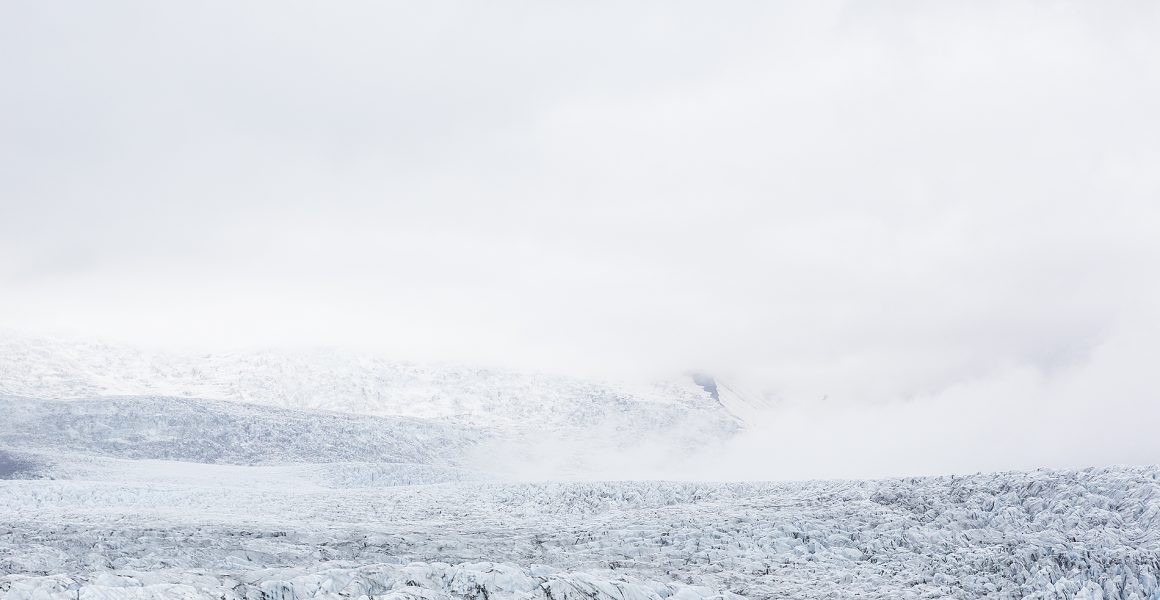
[[213, 431], [202, 431], [744, 404], [358, 384]]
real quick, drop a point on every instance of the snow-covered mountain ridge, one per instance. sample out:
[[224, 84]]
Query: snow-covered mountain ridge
[[353, 383]]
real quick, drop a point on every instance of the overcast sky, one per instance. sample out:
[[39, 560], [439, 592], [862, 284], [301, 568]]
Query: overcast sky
[[934, 204]]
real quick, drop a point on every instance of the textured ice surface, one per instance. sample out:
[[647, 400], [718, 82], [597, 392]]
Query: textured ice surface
[[224, 432], [398, 490], [17, 465], [126, 529]]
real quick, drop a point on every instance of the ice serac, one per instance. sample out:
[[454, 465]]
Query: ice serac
[[127, 529], [414, 581]]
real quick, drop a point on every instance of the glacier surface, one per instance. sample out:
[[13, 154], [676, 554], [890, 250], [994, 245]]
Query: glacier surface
[[340, 476], [132, 528]]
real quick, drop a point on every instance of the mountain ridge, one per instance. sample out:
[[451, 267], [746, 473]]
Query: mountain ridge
[[344, 382]]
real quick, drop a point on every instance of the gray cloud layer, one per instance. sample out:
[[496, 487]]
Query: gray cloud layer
[[872, 203]]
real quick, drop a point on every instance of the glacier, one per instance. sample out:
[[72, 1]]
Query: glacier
[[128, 474], [278, 533]]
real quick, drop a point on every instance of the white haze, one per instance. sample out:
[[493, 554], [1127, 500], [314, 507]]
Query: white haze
[[931, 231]]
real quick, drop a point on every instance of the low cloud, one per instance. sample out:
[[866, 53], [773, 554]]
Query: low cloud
[[941, 220]]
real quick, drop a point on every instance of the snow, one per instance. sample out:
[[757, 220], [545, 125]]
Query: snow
[[50, 368], [537, 424], [290, 485], [224, 432], [292, 533]]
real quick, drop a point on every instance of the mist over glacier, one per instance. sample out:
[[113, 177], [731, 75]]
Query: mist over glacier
[[559, 426], [590, 301], [130, 473], [860, 203]]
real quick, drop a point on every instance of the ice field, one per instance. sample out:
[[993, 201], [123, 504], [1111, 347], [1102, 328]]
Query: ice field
[[116, 528], [110, 490]]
